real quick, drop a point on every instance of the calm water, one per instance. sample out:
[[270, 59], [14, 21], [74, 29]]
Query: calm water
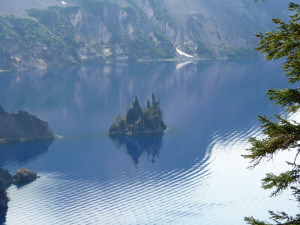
[[194, 174]]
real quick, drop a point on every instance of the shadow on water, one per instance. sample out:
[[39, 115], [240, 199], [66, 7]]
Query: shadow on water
[[136, 146], [23, 152]]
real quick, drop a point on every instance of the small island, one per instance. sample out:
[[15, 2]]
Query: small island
[[138, 121], [22, 126]]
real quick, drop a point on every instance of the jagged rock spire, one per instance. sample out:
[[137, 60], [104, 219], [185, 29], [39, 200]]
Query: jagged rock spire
[[153, 99], [134, 112], [138, 121], [155, 103]]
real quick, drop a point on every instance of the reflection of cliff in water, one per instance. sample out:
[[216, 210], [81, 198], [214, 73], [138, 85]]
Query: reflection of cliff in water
[[22, 152], [136, 146]]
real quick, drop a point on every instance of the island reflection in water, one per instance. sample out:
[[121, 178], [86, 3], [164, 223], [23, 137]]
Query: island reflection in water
[[21, 153], [211, 108], [136, 146]]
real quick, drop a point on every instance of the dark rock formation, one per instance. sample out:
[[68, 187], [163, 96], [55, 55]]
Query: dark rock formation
[[5, 181], [5, 178], [24, 176], [22, 126], [138, 121], [3, 196]]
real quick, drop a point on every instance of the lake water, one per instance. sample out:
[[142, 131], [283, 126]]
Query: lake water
[[194, 174]]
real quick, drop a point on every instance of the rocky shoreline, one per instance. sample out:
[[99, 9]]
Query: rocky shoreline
[[20, 126], [23, 176]]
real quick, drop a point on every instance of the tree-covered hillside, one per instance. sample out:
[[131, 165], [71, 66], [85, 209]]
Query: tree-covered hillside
[[35, 34]]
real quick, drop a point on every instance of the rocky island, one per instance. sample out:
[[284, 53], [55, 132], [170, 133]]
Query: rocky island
[[138, 121], [22, 126]]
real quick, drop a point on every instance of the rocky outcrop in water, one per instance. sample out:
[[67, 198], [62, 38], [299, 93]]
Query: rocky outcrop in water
[[22, 126], [23, 176], [138, 121]]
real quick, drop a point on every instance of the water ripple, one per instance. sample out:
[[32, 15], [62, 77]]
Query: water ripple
[[200, 176]]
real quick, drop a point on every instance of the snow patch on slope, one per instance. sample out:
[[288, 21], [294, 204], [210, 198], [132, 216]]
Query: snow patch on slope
[[183, 53]]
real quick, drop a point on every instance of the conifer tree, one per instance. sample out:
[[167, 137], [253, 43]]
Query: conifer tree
[[281, 134]]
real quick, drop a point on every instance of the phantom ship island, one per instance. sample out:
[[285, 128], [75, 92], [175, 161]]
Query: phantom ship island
[[138, 121]]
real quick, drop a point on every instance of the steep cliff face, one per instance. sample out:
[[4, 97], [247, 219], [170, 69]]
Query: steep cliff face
[[93, 31], [213, 28], [40, 34]]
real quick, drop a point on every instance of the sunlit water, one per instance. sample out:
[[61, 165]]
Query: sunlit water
[[194, 174]]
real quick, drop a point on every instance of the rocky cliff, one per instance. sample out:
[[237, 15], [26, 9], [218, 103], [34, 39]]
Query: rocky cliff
[[22, 126], [138, 121], [41, 34], [92, 31], [5, 181]]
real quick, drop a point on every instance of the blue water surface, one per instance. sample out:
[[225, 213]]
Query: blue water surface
[[193, 174]]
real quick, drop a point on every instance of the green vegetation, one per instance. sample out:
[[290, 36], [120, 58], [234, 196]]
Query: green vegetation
[[203, 50], [282, 134], [165, 46], [49, 27], [24, 30], [66, 35], [153, 115], [144, 45], [96, 7], [159, 15], [138, 121], [56, 21]]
